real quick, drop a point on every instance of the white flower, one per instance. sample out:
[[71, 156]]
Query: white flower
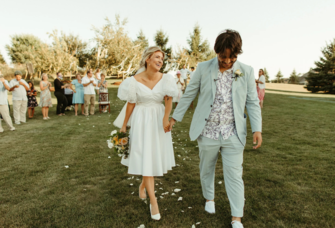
[[113, 132], [238, 72], [110, 144]]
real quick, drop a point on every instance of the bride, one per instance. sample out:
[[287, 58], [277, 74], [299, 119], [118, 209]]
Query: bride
[[151, 151]]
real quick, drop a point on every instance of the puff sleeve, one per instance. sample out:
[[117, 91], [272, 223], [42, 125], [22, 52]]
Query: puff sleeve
[[127, 90], [170, 87]]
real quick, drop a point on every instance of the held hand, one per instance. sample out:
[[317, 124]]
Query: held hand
[[17, 86], [257, 137], [123, 129], [166, 125], [172, 122], [74, 91]]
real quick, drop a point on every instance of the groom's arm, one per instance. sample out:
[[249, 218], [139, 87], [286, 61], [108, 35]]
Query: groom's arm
[[254, 110], [189, 95]]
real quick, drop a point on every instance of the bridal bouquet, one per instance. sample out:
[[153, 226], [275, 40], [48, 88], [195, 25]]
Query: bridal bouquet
[[120, 142]]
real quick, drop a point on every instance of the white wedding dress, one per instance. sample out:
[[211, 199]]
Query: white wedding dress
[[151, 150]]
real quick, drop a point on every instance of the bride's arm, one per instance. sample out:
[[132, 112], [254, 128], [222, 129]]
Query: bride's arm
[[129, 111], [168, 108]]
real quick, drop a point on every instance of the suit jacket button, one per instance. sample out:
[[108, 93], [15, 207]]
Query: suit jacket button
[[211, 106], [205, 119]]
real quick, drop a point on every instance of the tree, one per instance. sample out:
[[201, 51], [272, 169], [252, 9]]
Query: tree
[[142, 40], [294, 77], [21, 46], [199, 49], [76, 47], [322, 77], [161, 40], [266, 74], [2, 59], [279, 77], [114, 48]]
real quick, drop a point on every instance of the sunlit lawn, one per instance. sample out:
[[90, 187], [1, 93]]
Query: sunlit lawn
[[289, 182]]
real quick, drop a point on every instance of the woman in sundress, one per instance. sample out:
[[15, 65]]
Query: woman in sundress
[[45, 97]]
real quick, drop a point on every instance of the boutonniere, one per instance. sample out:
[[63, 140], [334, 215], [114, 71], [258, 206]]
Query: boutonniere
[[238, 74]]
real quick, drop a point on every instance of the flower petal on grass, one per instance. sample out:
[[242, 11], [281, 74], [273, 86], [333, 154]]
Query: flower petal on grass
[[198, 223], [180, 198], [67, 166], [176, 182], [131, 184], [220, 182], [177, 190], [109, 156]]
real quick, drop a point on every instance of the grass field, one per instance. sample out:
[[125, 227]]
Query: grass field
[[289, 181]]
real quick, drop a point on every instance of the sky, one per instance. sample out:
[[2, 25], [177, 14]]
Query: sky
[[278, 35]]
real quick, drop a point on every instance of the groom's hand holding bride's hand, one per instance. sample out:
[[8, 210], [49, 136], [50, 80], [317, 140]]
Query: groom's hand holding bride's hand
[[257, 137], [172, 122], [166, 125]]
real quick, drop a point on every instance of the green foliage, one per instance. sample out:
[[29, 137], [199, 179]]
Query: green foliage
[[114, 48], [279, 77], [322, 77], [161, 40], [266, 74], [76, 47], [21, 46], [199, 49], [142, 40], [294, 77], [2, 59]]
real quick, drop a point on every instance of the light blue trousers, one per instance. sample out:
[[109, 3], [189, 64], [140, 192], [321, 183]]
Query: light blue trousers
[[231, 151]]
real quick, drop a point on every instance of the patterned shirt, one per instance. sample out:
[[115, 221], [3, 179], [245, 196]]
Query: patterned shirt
[[221, 119]]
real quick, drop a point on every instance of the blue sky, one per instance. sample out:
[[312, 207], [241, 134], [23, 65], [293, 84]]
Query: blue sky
[[285, 35]]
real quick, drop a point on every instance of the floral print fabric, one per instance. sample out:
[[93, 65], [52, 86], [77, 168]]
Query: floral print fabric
[[221, 119]]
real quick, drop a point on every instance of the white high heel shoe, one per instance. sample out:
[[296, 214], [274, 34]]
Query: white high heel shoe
[[156, 216]]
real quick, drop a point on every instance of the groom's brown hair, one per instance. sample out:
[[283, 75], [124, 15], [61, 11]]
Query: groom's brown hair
[[230, 39]]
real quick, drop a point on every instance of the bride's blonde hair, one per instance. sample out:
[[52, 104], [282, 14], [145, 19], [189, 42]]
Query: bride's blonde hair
[[148, 53]]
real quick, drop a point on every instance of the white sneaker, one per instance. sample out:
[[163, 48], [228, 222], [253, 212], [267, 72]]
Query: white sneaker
[[210, 207], [236, 224]]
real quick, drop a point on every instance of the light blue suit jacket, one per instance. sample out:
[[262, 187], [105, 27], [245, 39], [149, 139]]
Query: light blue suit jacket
[[244, 94]]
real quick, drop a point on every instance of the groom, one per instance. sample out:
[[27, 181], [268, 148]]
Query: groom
[[225, 86]]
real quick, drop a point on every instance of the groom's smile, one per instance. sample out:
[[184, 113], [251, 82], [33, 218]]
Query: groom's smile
[[226, 59]]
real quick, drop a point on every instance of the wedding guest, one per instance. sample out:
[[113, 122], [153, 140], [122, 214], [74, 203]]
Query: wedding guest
[[59, 93], [78, 96], [89, 84], [192, 72], [180, 85], [32, 102], [98, 74], [261, 87], [19, 88], [45, 96], [184, 73], [4, 111], [102, 84], [68, 92]]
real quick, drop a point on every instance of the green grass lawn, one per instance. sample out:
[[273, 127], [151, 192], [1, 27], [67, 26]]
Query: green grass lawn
[[289, 181]]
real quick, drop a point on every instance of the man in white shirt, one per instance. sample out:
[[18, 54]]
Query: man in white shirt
[[4, 111], [184, 73], [19, 88], [192, 72], [261, 87], [89, 84]]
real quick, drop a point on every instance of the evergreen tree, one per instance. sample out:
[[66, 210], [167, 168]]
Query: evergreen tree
[[266, 74], [294, 78], [199, 49], [279, 77], [21, 46], [2, 59], [322, 77], [161, 40], [142, 40]]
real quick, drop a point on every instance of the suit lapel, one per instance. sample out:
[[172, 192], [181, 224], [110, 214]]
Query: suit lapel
[[235, 68], [214, 75]]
